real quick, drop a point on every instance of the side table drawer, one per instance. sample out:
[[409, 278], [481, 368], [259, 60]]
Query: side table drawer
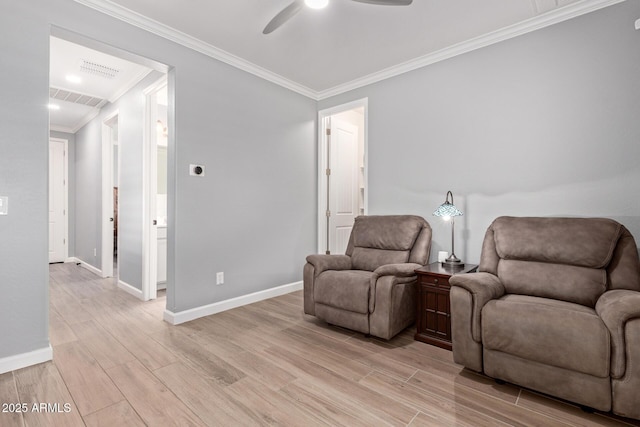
[[438, 282]]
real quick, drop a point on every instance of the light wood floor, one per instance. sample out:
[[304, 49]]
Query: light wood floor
[[116, 363]]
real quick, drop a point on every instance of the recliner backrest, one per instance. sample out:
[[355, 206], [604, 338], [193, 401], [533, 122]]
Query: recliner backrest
[[388, 239], [570, 259]]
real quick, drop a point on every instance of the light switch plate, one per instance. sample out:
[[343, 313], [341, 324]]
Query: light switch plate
[[4, 205]]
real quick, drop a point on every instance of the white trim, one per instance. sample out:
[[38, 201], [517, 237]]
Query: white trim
[[23, 360], [81, 123], [130, 289], [130, 85], [552, 17], [86, 265], [149, 192], [322, 163], [134, 18], [107, 226], [217, 307]]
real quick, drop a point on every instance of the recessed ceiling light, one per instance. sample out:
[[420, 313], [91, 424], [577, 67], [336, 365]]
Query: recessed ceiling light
[[72, 78], [53, 107], [316, 4]]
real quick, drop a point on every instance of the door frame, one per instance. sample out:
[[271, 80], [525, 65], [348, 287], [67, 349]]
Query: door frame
[[107, 193], [65, 204], [323, 120], [149, 193]]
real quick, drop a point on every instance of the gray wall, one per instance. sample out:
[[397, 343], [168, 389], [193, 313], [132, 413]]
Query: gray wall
[[544, 124], [71, 185], [252, 216], [88, 193], [24, 142]]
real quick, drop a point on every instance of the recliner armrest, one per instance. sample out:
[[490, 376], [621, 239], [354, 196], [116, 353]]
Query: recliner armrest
[[322, 262], [615, 308], [396, 274], [399, 270], [483, 287]]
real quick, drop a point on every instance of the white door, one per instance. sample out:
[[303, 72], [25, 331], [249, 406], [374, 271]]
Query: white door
[[57, 199], [343, 183], [109, 138], [155, 227]]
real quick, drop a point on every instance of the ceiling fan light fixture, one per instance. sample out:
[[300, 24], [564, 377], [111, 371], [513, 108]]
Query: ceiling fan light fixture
[[317, 4]]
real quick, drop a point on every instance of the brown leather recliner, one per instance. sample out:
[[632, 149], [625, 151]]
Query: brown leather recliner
[[555, 307], [372, 288]]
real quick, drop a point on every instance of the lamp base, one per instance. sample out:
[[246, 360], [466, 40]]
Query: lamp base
[[453, 261]]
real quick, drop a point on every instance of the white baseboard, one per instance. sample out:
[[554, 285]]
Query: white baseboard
[[130, 289], [217, 307], [19, 361], [83, 264]]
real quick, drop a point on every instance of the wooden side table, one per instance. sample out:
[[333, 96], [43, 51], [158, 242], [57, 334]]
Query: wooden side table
[[434, 311]]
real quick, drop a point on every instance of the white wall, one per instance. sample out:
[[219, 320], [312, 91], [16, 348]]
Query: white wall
[[540, 125]]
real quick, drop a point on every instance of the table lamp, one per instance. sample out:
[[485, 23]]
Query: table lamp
[[448, 211]]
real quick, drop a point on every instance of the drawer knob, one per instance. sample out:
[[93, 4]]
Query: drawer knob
[[435, 280]]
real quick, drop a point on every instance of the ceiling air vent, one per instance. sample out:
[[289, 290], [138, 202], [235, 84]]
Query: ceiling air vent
[[76, 98], [96, 69]]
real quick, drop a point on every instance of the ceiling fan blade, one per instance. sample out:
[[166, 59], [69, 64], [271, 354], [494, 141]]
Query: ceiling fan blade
[[387, 2], [282, 17]]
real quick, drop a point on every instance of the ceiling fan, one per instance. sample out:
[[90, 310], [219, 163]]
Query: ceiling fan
[[295, 7]]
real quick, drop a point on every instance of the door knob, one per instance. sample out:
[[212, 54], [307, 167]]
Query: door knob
[[111, 219], [155, 222]]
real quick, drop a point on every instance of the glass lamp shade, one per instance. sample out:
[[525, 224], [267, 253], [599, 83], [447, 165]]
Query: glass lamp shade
[[447, 209]]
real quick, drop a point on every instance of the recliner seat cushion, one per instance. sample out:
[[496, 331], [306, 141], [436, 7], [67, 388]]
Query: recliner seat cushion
[[346, 290], [550, 332]]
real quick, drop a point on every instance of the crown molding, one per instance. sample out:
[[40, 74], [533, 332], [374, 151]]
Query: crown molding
[[116, 11], [552, 17], [536, 23], [130, 84]]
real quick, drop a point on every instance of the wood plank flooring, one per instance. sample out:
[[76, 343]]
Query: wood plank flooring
[[116, 363]]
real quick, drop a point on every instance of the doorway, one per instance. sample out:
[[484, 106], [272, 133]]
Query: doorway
[[343, 173], [110, 183], [155, 215], [58, 204]]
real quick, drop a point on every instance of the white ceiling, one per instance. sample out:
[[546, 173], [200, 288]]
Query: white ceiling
[[66, 59], [323, 52]]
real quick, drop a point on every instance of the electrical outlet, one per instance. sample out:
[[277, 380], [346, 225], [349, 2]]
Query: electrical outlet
[[95, 252], [219, 278]]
